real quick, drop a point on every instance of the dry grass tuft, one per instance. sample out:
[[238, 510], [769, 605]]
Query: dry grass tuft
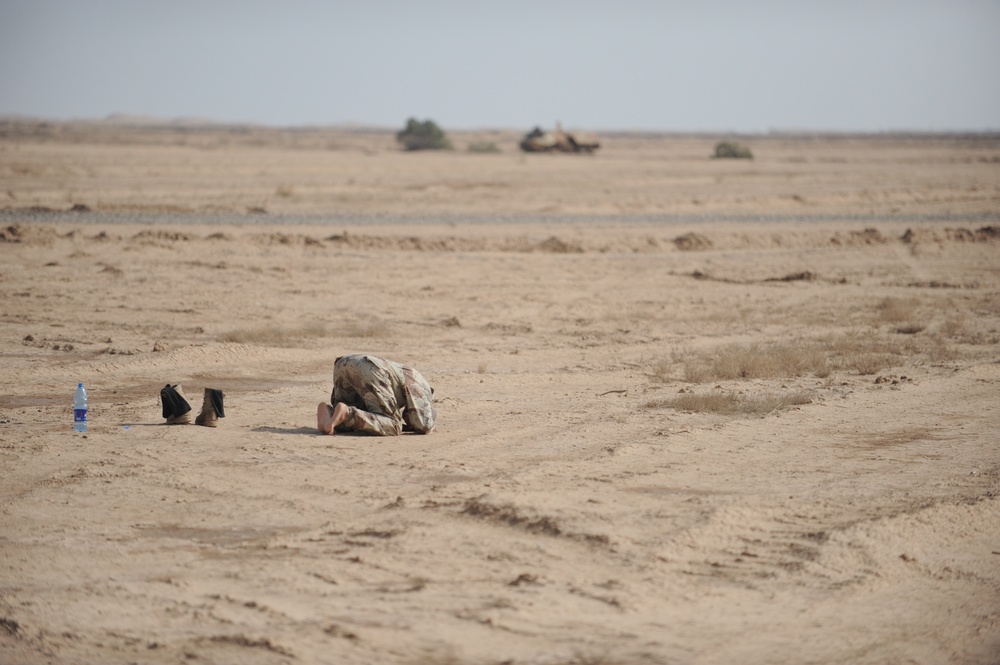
[[288, 336], [902, 315], [867, 353], [896, 310], [730, 404], [662, 370], [954, 326], [756, 362], [363, 329], [939, 350], [281, 336], [863, 352], [867, 364], [957, 328]]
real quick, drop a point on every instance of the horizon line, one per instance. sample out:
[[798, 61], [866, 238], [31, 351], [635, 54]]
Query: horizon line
[[198, 122]]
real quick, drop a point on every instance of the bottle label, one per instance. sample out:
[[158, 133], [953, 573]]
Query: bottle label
[[80, 415]]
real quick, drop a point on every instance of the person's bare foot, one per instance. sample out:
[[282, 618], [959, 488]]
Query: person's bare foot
[[324, 418], [328, 417]]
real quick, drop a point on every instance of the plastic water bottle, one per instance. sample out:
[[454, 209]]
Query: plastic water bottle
[[80, 410]]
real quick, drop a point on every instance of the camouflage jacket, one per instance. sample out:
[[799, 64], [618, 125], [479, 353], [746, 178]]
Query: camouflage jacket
[[386, 397]]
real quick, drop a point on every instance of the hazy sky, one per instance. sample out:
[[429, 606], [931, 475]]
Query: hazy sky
[[712, 65]]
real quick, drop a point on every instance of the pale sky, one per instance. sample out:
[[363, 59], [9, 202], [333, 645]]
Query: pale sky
[[709, 65]]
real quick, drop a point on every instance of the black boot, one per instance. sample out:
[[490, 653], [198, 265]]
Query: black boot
[[176, 409]]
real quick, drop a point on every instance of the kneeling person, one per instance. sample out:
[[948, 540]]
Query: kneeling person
[[376, 396]]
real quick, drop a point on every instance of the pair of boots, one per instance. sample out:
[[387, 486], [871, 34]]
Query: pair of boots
[[177, 411]]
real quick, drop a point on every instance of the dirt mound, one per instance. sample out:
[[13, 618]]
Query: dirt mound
[[11, 233], [555, 245], [27, 234], [983, 234], [692, 242], [869, 236], [290, 239], [409, 243], [446, 244], [805, 276], [161, 236], [552, 244]]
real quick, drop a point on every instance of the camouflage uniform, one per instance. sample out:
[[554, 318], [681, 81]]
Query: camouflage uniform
[[384, 397]]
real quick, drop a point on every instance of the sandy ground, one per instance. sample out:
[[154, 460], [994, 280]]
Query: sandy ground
[[690, 411]]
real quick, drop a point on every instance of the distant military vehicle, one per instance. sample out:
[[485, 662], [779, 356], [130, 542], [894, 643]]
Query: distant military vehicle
[[538, 140]]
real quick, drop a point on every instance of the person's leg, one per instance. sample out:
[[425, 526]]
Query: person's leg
[[329, 417], [352, 419], [367, 385], [359, 420]]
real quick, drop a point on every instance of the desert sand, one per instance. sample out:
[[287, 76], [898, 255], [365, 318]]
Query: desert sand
[[689, 410]]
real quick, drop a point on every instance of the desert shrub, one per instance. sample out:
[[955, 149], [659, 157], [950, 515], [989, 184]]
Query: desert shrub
[[940, 350], [858, 352], [484, 147], [954, 326], [896, 310], [662, 370], [868, 363], [867, 353], [958, 328], [275, 335], [424, 135], [731, 404], [756, 362], [732, 150], [692, 242], [363, 328]]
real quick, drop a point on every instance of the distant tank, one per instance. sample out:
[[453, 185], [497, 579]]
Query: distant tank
[[538, 140]]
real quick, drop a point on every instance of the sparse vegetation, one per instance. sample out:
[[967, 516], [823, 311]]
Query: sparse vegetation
[[731, 150], [867, 364], [290, 336], [364, 329], [663, 370], [896, 310], [954, 326], [957, 328], [901, 314], [279, 336], [863, 352], [866, 353], [424, 135], [731, 403], [755, 362], [484, 147]]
